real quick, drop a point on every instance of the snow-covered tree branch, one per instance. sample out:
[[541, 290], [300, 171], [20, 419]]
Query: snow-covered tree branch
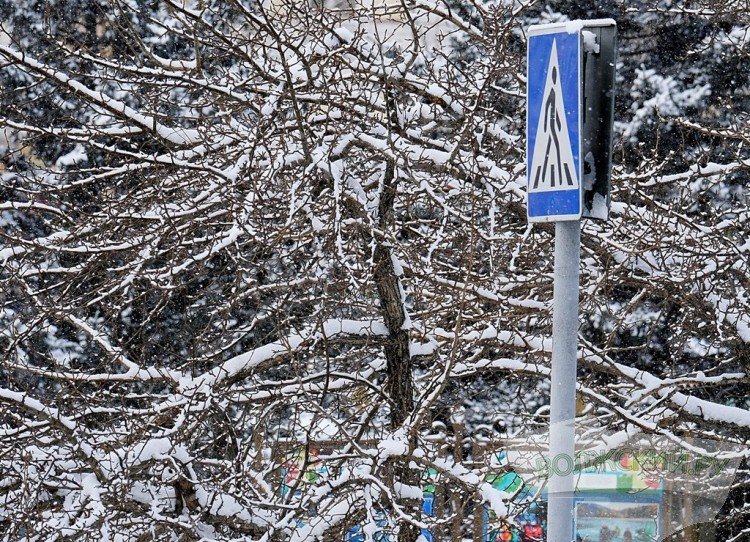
[[232, 230]]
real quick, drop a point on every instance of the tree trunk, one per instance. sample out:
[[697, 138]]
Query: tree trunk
[[400, 386]]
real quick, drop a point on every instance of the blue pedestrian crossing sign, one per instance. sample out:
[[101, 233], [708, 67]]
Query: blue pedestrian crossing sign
[[554, 123]]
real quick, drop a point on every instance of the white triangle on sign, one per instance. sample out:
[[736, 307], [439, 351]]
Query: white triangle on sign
[[552, 166]]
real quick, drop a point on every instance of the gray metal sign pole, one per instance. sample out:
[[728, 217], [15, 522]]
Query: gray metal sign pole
[[563, 380]]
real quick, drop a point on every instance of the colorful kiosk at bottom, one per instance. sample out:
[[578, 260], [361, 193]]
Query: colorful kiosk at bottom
[[613, 503]]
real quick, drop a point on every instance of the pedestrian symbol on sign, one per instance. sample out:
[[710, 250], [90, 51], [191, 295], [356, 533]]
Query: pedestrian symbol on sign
[[553, 167]]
